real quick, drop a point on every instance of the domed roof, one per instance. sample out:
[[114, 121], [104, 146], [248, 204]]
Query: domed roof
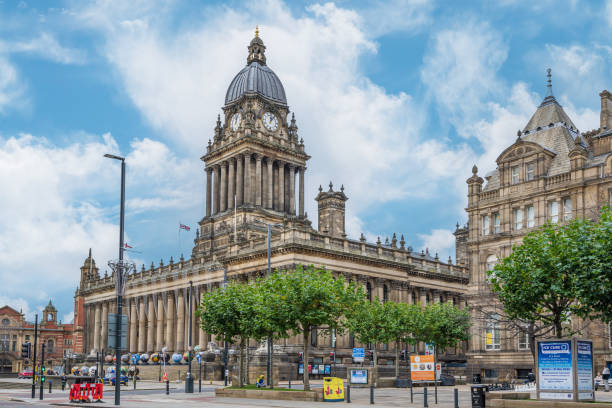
[[256, 77]]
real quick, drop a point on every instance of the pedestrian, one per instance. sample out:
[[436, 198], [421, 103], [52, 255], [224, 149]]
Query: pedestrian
[[605, 376], [597, 380]]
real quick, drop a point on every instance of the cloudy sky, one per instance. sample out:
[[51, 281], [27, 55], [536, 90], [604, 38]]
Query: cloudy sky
[[396, 100]]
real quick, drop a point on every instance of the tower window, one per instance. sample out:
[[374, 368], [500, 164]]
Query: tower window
[[515, 174], [530, 171]]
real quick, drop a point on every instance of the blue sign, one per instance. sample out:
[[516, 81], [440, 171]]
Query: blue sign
[[358, 354], [555, 365], [358, 376], [584, 363]]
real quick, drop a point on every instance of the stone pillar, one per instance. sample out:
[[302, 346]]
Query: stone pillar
[[180, 323], [247, 178], [142, 335], [258, 184], [223, 186], [231, 182], [301, 204], [97, 325], [291, 189], [239, 180], [104, 328], [159, 337], [208, 191], [170, 322], [133, 321], [151, 326], [217, 198], [270, 195], [281, 186]]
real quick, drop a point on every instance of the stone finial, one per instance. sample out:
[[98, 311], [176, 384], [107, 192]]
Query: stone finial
[[450, 260], [152, 266], [474, 170], [422, 253], [387, 241], [320, 189], [378, 241], [142, 269], [518, 134], [436, 257], [342, 188], [105, 274], [302, 141], [549, 91], [457, 225], [331, 187], [362, 238], [197, 233], [426, 251], [182, 259], [394, 241], [171, 260], [161, 263], [402, 242]]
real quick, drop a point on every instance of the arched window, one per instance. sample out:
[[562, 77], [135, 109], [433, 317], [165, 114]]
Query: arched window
[[49, 346]]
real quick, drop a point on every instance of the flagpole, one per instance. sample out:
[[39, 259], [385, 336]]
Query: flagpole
[[179, 238]]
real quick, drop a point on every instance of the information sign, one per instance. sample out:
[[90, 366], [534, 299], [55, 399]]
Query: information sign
[[358, 354], [584, 368], [422, 368], [327, 369], [301, 368], [112, 331], [359, 376], [555, 365]]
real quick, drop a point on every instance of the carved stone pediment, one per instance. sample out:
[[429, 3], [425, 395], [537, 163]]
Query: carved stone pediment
[[522, 149]]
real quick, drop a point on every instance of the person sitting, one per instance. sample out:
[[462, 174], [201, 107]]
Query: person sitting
[[260, 382], [597, 381]]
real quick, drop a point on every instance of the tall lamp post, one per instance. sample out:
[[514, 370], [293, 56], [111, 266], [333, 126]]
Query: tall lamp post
[[269, 359], [119, 283], [188, 377]]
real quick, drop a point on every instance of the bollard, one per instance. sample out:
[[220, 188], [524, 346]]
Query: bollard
[[411, 397], [200, 384], [425, 397], [371, 394], [289, 384], [134, 382], [50, 382], [456, 398], [167, 387], [348, 393]]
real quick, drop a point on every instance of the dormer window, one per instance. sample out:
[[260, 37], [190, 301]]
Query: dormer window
[[530, 172], [514, 174]]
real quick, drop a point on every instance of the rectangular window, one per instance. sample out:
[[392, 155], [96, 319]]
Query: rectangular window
[[485, 225], [553, 211], [523, 340], [27, 337], [14, 346], [492, 333], [490, 373], [496, 223], [567, 209], [530, 217], [518, 219], [515, 174], [530, 171]]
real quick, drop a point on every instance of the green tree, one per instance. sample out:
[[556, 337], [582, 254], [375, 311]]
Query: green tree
[[443, 325], [557, 271]]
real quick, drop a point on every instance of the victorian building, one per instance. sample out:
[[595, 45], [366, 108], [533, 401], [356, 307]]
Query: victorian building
[[15, 330], [552, 172], [255, 168]]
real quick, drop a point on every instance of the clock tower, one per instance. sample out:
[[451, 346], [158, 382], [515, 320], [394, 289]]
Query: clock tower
[[255, 162]]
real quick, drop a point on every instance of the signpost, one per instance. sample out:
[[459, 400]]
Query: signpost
[[358, 355], [565, 370], [112, 331]]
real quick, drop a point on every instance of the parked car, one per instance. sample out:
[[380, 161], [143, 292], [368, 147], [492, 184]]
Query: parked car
[[27, 373], [446, 379]]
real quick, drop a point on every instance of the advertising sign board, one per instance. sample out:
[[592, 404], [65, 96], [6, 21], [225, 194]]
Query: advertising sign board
[[555, 365], [584, 369], [422, 368], [359, 376]]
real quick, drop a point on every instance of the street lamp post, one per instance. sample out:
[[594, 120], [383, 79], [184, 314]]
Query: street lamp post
[[120, 283], [188, 377]]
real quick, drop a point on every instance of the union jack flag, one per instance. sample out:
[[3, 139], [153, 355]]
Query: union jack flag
[[185, 227]]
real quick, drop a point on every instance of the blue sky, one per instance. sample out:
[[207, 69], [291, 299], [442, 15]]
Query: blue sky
[[396, 100]]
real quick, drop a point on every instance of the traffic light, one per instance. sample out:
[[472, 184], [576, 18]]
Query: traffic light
[[42, 374], [25, 350], [300, 357], [403, 355], [332, 356]]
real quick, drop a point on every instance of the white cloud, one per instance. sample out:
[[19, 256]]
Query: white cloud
[[68, 318], [45, 46], [397, 15], [11, 88], [441, 241]]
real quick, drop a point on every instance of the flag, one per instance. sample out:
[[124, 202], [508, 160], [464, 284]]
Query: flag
[[127, 245], [185, 227]]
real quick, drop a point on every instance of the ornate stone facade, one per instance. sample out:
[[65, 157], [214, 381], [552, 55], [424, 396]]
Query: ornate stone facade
[[251, 165], [550, 173]]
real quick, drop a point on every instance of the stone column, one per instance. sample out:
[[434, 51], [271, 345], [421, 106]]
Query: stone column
[[151, 326], [104, 328], [281, 186], [217, 198], [270, 195], [170, 322], [133, 321], [291, 189], [180, 323], [208, 191], [239, 180], [97, 325], [142, 335], [231, 182], [223, 206], [301, 209], [159, 337], [247, 178], [258, 184]]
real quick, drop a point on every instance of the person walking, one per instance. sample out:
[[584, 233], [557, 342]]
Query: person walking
[[605, 375]]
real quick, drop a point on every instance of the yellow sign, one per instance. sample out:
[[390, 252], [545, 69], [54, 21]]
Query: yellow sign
[[333, 389], [489, 339]]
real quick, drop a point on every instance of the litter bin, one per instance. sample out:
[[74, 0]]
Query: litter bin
[[333, 389], [478, 396], [476, 379]]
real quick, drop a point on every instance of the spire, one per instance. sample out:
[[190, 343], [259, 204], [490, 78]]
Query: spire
[[257, 50], [549, 83]]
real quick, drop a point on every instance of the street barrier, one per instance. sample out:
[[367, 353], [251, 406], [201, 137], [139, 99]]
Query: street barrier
[[85, 392]]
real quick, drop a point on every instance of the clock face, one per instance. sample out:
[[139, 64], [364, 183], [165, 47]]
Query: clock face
[[235, 121], [270, 121]]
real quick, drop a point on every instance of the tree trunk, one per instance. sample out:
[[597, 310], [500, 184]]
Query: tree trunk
[[270, 339], [375, 367], [241, 364], [532, 342], [306, 349], [246, 363], [397, 358], [558, 327]]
